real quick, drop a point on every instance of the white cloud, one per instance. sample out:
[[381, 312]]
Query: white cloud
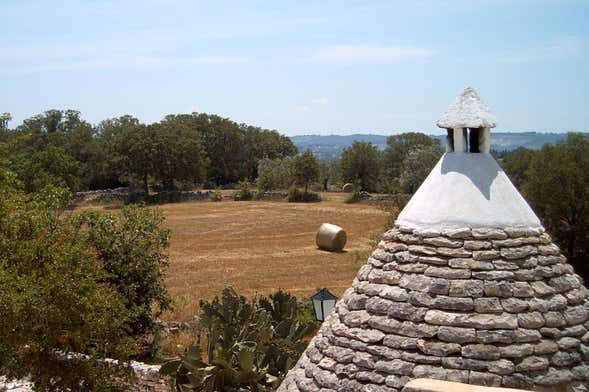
[[303, 109], [320, 101], [370, 53]]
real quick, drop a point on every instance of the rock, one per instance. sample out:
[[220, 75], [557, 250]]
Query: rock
[[488, 305], [461, 233], [356, 318], [466, 288], [502, 265], [432, 260], [518, 253], [356, 301], [443, 242], [565, 358], [554, 319], [506, 336], [541, 289], [498, 289], [424, 284], [452, 303], [396, 366], [549, 250], [567, 343], [456, 334], [419, 358], [545, 347], [453, 252], [470, 264], [514, 305], [364, 360], [564, 283], [485, 254], [427, 232], [485, 379], [400, 342], [555, 377], [489, 234], [532, 364], [501, 366], [493, 275], [530, 320], [515, 232], [477, 245], [447, 273], [383, 351], [384, 323], [384, 277], [576, 315], [516, 350], [438, 349], [483, 321], [421, 249], [527, 335], [406, 311], [425, 371], [480, 351], [396, 381]]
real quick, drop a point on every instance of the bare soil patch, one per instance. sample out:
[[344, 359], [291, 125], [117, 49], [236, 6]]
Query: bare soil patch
[[261, 246]]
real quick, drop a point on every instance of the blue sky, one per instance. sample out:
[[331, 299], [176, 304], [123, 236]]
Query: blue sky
[[296, 66]]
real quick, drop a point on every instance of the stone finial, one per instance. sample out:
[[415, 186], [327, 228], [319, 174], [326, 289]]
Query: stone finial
[[467, 111]]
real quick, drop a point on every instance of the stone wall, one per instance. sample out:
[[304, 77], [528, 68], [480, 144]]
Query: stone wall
[[148, 380]]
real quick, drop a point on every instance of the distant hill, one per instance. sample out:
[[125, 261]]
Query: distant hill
[[331, 146]]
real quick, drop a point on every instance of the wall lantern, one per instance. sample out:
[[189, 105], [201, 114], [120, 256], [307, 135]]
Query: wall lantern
[[323, 304]]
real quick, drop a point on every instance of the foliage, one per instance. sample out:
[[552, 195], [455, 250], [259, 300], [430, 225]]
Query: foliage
[[361, 163], [179, 150], [243, 191], [557, 186], [418, 163], [399, 146], [274, 174], [249, 344], [516, 163], [131, 247], [216, 195], [305, 169], [295, 195], [53, 299]]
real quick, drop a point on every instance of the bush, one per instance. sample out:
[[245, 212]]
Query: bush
[[250, 344], [300, 196], [216, 195], [244, 193], [54, 298], [130, 247], [356, 195]]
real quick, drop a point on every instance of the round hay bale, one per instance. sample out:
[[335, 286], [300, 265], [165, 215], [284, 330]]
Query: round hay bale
[[331, 237], [348, 188]]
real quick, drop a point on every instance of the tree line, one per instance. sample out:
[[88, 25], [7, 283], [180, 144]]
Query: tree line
[[60, 148]]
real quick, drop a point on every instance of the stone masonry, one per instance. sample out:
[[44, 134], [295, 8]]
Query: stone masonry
[[493, 307]]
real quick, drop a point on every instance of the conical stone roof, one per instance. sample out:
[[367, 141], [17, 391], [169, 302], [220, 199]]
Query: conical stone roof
[[467, 111], [485, 299]]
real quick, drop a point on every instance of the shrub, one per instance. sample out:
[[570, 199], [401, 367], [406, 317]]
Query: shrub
[[53, 297], [216, 195], [356, 195], [300, 196], [249, 344], [244, 192], [130, 247]]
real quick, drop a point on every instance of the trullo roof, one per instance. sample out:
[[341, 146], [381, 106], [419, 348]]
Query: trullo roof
[[467, 287], [467, 111]]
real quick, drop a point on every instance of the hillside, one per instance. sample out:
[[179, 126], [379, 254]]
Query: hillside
[[331, 146]]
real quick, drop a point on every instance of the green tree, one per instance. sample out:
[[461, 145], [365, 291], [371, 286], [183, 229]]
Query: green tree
[[361, 162], [516, 164], [399, 146], [5, 118], [52, 299], [305, 169], [557, 186], [417, 165], [274, 174], [131, 247]]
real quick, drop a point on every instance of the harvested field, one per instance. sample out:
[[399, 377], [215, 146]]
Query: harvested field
[[261, 246]]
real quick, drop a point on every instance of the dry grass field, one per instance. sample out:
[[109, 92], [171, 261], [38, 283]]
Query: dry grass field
[[261, 246]]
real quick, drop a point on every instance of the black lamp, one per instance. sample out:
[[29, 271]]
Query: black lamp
[[323, 303]]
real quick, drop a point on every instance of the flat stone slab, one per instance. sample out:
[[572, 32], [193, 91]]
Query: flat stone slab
[[428, 385]]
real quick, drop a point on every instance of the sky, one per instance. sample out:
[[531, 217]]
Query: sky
[[301, 67]]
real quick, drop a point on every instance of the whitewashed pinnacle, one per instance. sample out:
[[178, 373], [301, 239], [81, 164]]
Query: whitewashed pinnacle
[[467, 111]]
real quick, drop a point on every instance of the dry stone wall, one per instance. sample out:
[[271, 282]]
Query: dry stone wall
[[481, 306]]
